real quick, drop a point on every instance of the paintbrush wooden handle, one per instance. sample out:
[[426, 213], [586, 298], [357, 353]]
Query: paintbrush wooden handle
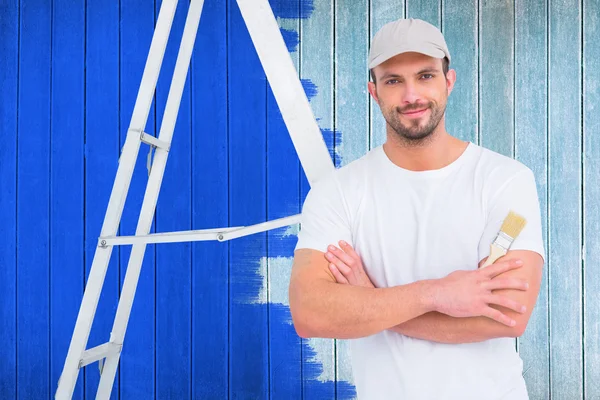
[[495, 253]]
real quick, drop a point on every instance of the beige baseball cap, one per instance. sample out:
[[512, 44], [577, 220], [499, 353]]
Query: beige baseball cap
[[407, 35]]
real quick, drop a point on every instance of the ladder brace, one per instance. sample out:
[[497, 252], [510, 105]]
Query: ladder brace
[[154, 142], [220, 234], [99, 352]]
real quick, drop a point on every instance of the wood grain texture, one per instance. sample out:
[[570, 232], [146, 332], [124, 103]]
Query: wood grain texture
[[9, 81], [102, 154], [283, 193], [138, 359], [591, 198], [317, 65], [531, 145], [248, 323], [66, 181], [496, 75], [210, 320], [351, 110], [33, 199], [460, 29], [427, 10], [564, 168], [210, 205], [381, 12], [351, 107], [173, 262]]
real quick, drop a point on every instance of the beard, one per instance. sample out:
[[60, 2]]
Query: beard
[[416, 130]]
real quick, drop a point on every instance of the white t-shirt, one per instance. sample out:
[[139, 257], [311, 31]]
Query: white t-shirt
[[409, 226]]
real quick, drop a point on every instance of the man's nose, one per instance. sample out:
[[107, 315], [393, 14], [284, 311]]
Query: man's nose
[[410, 94]]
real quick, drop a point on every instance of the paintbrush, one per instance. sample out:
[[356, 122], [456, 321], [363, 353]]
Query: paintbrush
[[511, 227]]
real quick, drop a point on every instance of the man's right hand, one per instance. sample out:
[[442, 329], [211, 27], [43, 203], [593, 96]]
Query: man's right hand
[[470, 293]]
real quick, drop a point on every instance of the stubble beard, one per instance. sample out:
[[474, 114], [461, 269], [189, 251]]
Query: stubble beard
[[417, 131]]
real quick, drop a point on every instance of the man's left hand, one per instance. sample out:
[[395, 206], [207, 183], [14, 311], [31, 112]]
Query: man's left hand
[[346, 266]]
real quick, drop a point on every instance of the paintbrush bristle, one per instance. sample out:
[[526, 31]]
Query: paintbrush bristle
[[513, 224]]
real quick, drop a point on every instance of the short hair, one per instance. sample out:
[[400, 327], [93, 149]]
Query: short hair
[[445, 68]]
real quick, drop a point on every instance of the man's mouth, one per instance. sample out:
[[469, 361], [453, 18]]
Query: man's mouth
[[415, 113]]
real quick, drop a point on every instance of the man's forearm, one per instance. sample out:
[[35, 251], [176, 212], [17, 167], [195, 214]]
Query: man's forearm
[[329, 310], [437, 327]]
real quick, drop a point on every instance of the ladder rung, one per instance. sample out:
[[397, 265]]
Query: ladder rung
[[152, 141], [99, 352]]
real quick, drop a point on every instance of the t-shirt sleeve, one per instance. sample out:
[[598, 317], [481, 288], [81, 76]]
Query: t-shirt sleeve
[[520, 196], [324, 218]]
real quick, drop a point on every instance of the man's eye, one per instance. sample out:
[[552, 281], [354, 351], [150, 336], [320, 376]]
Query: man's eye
[[427, 76], [391, 82]]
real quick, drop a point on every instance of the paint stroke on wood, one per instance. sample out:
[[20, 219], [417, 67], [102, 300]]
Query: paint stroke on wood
[[33, 199], [137, 364], [173, 261], [229, 322], [591, 199], [66, 182], [316, 64], [248, 323], [283, 192], [102, 154], [210, 205], [564, 168], [531, 130], [9, 81]]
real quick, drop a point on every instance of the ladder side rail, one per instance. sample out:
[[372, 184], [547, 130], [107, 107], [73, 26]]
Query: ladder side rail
[[151, 196], [287, 89], [91, 296]]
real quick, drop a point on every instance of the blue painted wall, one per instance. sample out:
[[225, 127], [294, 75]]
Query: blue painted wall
[[211, 320]]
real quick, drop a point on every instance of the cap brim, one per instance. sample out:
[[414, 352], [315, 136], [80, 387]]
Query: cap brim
[[431, 51]]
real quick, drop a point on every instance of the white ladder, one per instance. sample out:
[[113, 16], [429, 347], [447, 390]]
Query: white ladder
[[300, 122]]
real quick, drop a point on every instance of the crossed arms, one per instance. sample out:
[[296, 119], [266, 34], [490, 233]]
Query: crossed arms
[[331, 296], [438, 327]]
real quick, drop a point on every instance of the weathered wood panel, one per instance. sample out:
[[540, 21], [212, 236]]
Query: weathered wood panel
[[33, 199], [531, 148], [460, 29], [210, 205], [212, 319], [173, 261], [248, 319], [317, 66], [564, 197], [66, 181], [9, 81], [496, 75], [381, 12], [137, 366], [591, 198]]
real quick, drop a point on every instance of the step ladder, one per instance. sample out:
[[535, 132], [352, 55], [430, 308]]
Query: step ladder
[[300, 122]]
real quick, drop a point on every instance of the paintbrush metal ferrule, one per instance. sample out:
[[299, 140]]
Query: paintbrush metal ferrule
[[503, 241]]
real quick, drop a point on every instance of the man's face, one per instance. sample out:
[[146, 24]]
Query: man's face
[[412, 92]]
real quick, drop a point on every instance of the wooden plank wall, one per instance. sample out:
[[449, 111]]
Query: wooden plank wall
[[211, 320]]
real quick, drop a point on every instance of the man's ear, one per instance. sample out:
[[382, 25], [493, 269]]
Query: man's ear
[[373, 91], [450, 80]]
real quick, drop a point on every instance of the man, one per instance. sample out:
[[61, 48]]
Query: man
[[414, 220]]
